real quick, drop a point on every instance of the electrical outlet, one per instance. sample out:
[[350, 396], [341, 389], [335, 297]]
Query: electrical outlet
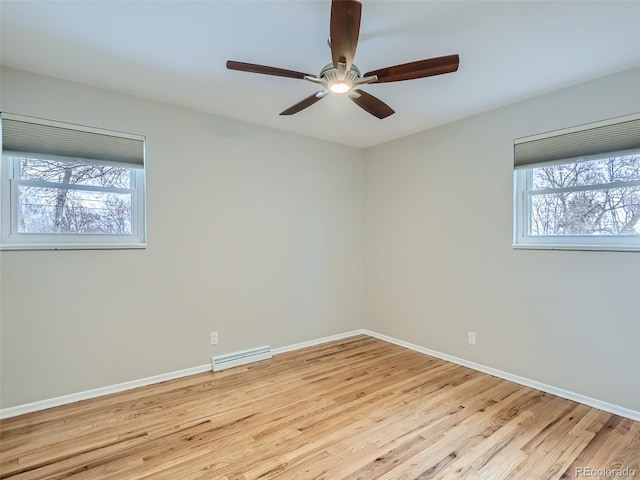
[[214, 338], [472, 338]]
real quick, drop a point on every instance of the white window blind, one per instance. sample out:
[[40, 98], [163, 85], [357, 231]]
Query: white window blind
[[23, 135], [616, 135]]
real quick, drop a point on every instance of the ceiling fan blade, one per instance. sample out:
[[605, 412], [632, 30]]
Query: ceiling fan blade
[[307, 102], [344, 31], [373, 105], [419, 69], [265, 70]]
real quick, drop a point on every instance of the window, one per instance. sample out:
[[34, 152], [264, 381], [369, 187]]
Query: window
[[579, 188], [65, 186]]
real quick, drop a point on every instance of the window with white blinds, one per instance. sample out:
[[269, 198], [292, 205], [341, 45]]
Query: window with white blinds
[[69, 186], [579, 188]]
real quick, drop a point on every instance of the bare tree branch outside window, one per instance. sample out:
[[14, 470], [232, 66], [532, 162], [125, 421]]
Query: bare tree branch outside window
[[74, 198], [586, 198]]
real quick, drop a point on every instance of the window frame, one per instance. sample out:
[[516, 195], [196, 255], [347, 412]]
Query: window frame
[[12, 239], [523, 182]]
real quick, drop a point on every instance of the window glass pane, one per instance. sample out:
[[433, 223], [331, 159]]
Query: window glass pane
[[66, 211], [74, 173], [614, 211], [595, 172]]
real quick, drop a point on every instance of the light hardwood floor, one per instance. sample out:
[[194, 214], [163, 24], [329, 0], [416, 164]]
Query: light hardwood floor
[[357, 408]]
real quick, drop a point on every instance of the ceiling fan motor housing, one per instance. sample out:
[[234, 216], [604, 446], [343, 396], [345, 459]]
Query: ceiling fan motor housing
[[330, 73]]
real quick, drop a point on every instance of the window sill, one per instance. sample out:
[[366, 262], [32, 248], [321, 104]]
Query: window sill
[[106, 246], [596, 248]]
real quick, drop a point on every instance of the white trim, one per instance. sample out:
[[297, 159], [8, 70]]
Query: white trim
[[570, 246], [71, 246], [527, 382], [584, 188], [98, 392], [12, 239], [318, 341], [522, 218], [121, 387]]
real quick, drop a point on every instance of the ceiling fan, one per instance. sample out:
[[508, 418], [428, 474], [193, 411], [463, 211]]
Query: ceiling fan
[[342, 76]]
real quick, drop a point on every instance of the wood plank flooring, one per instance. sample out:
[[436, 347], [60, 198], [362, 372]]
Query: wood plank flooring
[[358, 408]]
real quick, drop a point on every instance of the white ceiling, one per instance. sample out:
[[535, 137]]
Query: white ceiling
[[175, 51]]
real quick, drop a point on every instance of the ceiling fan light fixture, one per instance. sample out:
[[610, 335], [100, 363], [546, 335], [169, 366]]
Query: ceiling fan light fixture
[[337, 81], [340, 87]]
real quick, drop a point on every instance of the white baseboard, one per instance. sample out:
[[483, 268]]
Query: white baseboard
[[98, 392], [120, 387], [318, 341], [527, 382]]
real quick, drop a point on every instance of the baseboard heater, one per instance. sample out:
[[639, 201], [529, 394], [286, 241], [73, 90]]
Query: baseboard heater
[[240, 358]]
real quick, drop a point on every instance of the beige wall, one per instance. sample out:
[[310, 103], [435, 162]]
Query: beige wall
[[439, 261], [259, 234], [252, 232]]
